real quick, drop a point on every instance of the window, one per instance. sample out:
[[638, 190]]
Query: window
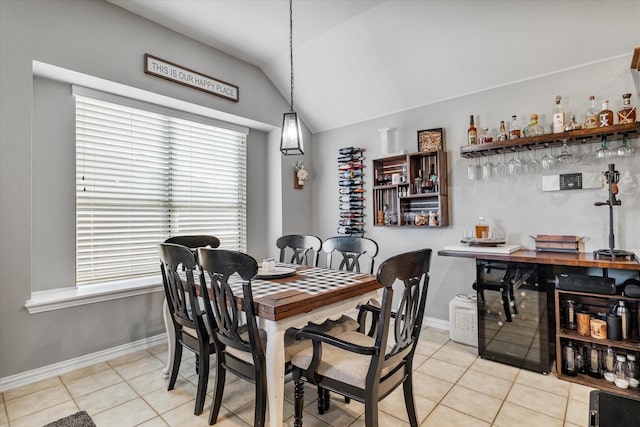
[[143, 175]]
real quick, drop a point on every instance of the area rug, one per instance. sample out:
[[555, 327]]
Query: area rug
[[79, 419]]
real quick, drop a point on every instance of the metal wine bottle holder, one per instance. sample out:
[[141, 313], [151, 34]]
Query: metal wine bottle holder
[[612, 176]]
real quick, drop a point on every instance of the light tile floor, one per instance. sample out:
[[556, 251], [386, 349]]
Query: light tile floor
[[453, 387]]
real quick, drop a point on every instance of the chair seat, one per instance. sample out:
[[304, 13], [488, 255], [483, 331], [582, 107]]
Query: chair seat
[[342, 365], [293, 346]]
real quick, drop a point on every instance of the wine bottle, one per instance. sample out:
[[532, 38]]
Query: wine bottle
[[350, 222], [350, 158], [350, 150], [350, 206], [502, 132], [349, 198], [350, 190], [351, 174], [351, 214], [350, 182], [349, 166], [350, 230]]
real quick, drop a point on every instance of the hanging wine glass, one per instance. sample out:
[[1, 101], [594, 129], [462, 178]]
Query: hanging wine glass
[[487, 169], [587, 153], [532, 166], [604, 152], [625, 150], [548, 161], [472, 169], [565, 157], [500, 169], [515, 166]]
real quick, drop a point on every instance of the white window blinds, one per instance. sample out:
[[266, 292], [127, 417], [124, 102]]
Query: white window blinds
[[142, 176]]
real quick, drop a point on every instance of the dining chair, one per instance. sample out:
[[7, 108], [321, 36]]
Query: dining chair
[[299, 245], [351, 248], [193, 242], [190, 323], [240, 344], [368, 368]]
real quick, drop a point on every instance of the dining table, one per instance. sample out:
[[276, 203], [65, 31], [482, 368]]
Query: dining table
[[282, 301]]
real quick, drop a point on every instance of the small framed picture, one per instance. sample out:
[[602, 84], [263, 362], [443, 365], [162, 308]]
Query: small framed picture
[[430, 139]]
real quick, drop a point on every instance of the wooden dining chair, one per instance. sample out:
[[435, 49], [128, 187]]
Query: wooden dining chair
[[351, 248], [239, 342], [299, 246], [367, 368], [190, 323]]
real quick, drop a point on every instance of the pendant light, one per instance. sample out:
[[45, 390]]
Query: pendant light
[[291, 141]]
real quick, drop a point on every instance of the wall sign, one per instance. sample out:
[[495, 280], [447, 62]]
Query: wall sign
[[169, 71]]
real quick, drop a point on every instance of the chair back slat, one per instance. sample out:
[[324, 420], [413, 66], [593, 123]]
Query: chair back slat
[[195, 241], [177, 262], [299, 245], [217, 267], [351, 248]]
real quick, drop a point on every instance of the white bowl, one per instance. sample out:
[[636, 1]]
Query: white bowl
[[609, 376], [633, 382], [622, 382]]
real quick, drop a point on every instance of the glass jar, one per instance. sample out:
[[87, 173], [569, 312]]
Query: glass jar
[[595, 369], [570, 314], [609, 364], [569, 365], [632, 371]]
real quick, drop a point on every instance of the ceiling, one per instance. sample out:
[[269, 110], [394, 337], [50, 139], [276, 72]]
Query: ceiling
[[359, 59]]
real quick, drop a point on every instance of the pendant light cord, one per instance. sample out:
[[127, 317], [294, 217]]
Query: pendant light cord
[[291, 47]]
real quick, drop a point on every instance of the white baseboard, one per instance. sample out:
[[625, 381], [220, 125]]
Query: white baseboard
[[436, 323], [28, 377]]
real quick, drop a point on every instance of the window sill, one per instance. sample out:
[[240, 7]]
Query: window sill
[[56, 299]]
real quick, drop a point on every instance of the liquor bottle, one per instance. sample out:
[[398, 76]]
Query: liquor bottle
[[350, 206], [351, 198], [351, 214], [350, 182], [533, 128], [573, 125], [569, 360], [351, 174], [558, 116], [350, 190], [592, 115], [627, 113], [605, 116], [432, 181], [514, 129], [485, 136], [350, 150], [472, 132], [350, 158], [349, 166], [350, 230], [502, 133]]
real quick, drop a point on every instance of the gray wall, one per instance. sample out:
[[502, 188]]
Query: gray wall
[[516, 204], [37, 165]]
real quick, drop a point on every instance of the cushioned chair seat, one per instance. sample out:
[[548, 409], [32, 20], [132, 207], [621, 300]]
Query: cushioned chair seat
[[342, 365]]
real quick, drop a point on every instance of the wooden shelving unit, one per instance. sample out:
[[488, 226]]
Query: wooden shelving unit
[[574, 137], [592, 303], [406, 199]]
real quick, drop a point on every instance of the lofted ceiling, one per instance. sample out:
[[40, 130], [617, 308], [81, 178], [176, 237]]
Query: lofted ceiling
[[359, 59]]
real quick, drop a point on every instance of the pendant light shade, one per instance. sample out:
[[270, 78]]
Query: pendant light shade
[[291, 141]]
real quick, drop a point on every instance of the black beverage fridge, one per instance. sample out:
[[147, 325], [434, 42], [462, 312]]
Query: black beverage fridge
[[515, 314]]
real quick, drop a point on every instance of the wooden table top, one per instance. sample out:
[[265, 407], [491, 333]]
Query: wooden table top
[[291, 301], [580, 259]]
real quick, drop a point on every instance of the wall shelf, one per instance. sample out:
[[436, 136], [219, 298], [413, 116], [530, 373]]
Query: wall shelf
[[574, 137]]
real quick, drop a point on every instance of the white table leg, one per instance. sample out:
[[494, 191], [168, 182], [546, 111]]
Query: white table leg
[[275, 372], [171, 338]]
